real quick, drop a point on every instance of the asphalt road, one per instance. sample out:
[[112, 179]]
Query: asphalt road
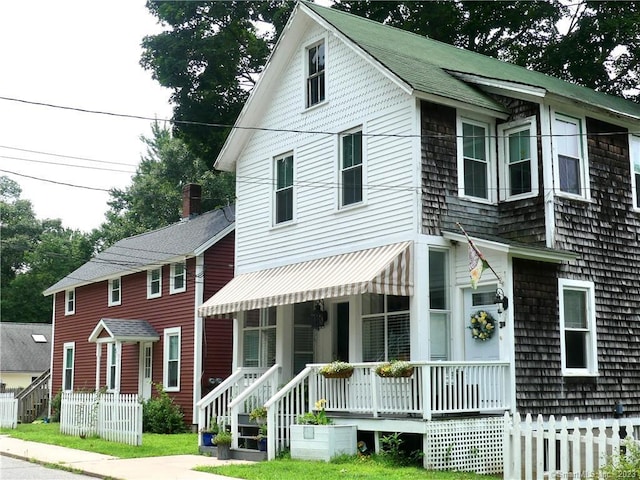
[[14, 469]]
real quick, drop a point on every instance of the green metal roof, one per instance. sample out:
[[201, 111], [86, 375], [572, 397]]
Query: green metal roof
[[425, 65]]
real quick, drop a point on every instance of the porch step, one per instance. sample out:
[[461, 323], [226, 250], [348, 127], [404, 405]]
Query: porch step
[[237, 453]]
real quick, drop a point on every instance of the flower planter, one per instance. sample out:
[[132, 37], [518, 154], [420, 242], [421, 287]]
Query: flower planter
[[262, 444], [207, 439], [224, 451], [403, 374], [323, 442], [345, 374]]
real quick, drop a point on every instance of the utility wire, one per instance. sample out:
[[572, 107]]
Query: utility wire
[[53, 181], [68, 165], [66, 156]]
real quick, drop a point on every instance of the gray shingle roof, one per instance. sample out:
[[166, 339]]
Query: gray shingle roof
[[18, 350], [429, 66], [122, 329], [157, 247]]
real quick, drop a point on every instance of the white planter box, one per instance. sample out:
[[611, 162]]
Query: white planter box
[[323, 442]]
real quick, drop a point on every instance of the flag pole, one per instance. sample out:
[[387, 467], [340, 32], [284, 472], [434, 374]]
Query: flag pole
[[472, 245]]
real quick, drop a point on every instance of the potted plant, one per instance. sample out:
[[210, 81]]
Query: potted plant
[[208, 434], [314, 437], [258, 415], [262, 438], [395, 368], [336, 369], [223, 442]]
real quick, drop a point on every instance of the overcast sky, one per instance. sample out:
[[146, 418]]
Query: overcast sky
[[81, 54]]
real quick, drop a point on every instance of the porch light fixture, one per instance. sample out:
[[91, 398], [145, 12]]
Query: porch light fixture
[[502, 300], [319, 315]]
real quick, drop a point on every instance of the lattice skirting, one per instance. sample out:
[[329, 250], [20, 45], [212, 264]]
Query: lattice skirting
[[468, 445]]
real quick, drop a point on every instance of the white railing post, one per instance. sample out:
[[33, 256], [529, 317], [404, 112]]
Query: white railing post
[[427, 407], [375, 395]]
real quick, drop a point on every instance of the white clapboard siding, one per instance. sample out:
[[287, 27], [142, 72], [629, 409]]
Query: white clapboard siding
[[8, 410], [113, 417], [357, 95], [552, 449]]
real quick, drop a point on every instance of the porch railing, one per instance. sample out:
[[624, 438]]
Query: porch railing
[[435, 388], [255, 395], [215, 406], [33, 401]]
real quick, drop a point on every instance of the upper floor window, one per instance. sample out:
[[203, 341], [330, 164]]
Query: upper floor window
[[171, 370], [474, 159], [577, 327], [351, 167], [154, 283], [178, 282], [519, 154], [634, 151], [385, 328], [70, 302], [315, 74], [572, 168], [115, 292], [67, 366], [284, 189]]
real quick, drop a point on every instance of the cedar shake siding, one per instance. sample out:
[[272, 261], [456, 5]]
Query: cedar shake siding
[[519, 220]]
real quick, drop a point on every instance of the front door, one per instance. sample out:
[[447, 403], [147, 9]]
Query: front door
[[146, 362], [478, 301]]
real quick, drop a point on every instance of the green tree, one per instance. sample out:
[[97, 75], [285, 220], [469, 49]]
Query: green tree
[[35, 255], [154, 198]]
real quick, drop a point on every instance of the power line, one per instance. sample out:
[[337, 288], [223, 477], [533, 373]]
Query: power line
[[65, 156], [68, 165], [55, 182]]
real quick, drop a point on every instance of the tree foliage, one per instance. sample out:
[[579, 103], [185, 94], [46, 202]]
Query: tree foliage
[[35, 255], [154, 198]]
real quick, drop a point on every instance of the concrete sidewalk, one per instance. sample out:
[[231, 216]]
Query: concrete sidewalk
[[177, 467]]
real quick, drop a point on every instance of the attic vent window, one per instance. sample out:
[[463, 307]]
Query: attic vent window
[[39, 338]]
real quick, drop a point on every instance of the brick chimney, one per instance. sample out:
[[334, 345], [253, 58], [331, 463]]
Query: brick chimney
[[191, 197]]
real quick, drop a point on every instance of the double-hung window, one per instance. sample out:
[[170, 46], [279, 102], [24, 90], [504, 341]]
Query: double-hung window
[[284, 189], [439, 304], [315, 74], [634, 151], [171, 370], [70, 302], [571, 168], [474, 159], [67, 367], [519, 155], [115, 292], [385, 328], [113, 361], [259, 338], [578, 345], [154, 283], [351, 167], [178, 277]]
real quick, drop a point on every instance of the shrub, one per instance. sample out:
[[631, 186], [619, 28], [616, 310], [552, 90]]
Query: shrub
[[56, 404], [627, 466], [161, 415]]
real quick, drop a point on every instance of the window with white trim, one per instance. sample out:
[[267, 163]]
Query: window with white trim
[[70, 302], [571, 165], [154, 283], [178, 278], [68, 353], [113, 360], [385, 328], [351, 167], [440, 323], [284, 191], [259, 338], [171, 367], [115, 292], [519, 157], [577, 327], [634, 153], [474, 160], [315, 74]]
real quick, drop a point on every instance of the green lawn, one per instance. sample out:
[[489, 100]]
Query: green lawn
[[154, 445]]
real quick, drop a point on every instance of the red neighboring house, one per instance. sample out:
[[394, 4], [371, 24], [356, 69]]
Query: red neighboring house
[[127, 319]]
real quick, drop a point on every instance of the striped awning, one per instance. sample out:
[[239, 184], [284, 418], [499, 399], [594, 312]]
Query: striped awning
[[385, 269]]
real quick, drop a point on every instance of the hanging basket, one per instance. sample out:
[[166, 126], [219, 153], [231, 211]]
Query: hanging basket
[[402, 374], [394, 369], [343, 374]]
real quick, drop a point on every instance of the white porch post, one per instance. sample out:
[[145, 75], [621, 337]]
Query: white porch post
[[420, 328], [118, 364], [98, 358], [198, 332]]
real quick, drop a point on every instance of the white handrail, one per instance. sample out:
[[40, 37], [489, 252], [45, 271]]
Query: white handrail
[[274, 370]]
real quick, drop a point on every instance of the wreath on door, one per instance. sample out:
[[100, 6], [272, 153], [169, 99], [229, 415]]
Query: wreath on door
[[482, 325]]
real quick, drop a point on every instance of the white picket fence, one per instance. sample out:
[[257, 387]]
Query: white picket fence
[[8, 410], [113, 417], [562, 449]]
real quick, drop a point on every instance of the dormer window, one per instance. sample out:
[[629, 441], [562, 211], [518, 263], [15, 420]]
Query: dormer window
[[315, 74], [518, 155], [571, 165], [475, 168]]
